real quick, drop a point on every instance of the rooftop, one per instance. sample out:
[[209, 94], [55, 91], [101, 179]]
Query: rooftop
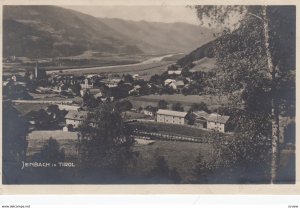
[[76, 115], [200, 114], [172, 113], [214, 117]]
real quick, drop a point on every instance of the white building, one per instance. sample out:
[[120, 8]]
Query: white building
[[172, 117], [217, 122], [150, 111], [69, 107], [169, 81], [86, 85], [175, 72], [112, 82]]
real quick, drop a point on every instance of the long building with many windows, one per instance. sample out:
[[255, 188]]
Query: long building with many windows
[[172, 117]]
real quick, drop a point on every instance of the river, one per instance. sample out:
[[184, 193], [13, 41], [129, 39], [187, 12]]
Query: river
[[100, 68]]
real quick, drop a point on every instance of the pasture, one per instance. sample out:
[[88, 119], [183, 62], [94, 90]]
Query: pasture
[[205, 65], [212, 101]]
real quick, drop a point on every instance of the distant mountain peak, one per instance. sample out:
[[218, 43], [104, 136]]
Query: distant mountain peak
[[51, 31]]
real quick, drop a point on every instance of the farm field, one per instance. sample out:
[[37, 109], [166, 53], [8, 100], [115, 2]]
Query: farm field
[[66, 140], [211, 100]]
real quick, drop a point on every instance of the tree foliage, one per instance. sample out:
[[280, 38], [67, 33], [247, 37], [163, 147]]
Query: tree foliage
[[256, 56], [15, 129], [50, 152], [162, 104], [177, 107], [105, 141]]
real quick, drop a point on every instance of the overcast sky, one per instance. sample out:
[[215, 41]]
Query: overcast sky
[[174, 13]]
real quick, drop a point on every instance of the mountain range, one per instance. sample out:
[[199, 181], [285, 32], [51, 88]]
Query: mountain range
[[51, 31]]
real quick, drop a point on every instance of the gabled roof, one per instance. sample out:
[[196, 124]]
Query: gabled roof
[[179, 83], [201, 114], [76, 115], [214, 117], [172, 113]]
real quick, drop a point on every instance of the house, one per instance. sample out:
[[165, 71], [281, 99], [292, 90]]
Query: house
[[94, 91], [169, 81], [200, 119], [75, 118], [169, 116], [150, 111], [135, 90], [217, 122], [179, 84], [86, 85], [98, 95], [68, 107], [135, 76], [174, 72], [60, 87], [112, 82]]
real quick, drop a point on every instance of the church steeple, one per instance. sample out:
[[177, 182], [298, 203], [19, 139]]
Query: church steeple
[[36, 70]]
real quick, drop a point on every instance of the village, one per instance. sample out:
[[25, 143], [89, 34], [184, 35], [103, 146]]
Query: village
[[77, 93]]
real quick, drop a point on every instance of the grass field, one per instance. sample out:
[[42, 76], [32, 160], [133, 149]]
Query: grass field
[[205, 65], [25, 108], [179, 155], [66, 140], [211, 100]]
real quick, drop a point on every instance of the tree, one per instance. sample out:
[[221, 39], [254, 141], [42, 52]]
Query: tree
[[41, 119], [177, 107], [199, 107], [162, 104], [76, 89], [50, 152], [128, 78], [156, 79], [174, 175], [121, 91], [256, 57], [106, 144], [123, 105], [89, 100], [15, 129], [202, 169], [161, 172]]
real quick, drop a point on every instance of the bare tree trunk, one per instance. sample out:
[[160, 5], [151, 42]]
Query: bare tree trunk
[[274, 105]]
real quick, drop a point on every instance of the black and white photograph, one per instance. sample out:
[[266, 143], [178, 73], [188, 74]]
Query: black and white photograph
[[148, 94]]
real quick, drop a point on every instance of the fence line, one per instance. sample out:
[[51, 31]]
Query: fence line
[[169, 137], [44, 101]]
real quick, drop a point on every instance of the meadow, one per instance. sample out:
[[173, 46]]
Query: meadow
[[212, 101]]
